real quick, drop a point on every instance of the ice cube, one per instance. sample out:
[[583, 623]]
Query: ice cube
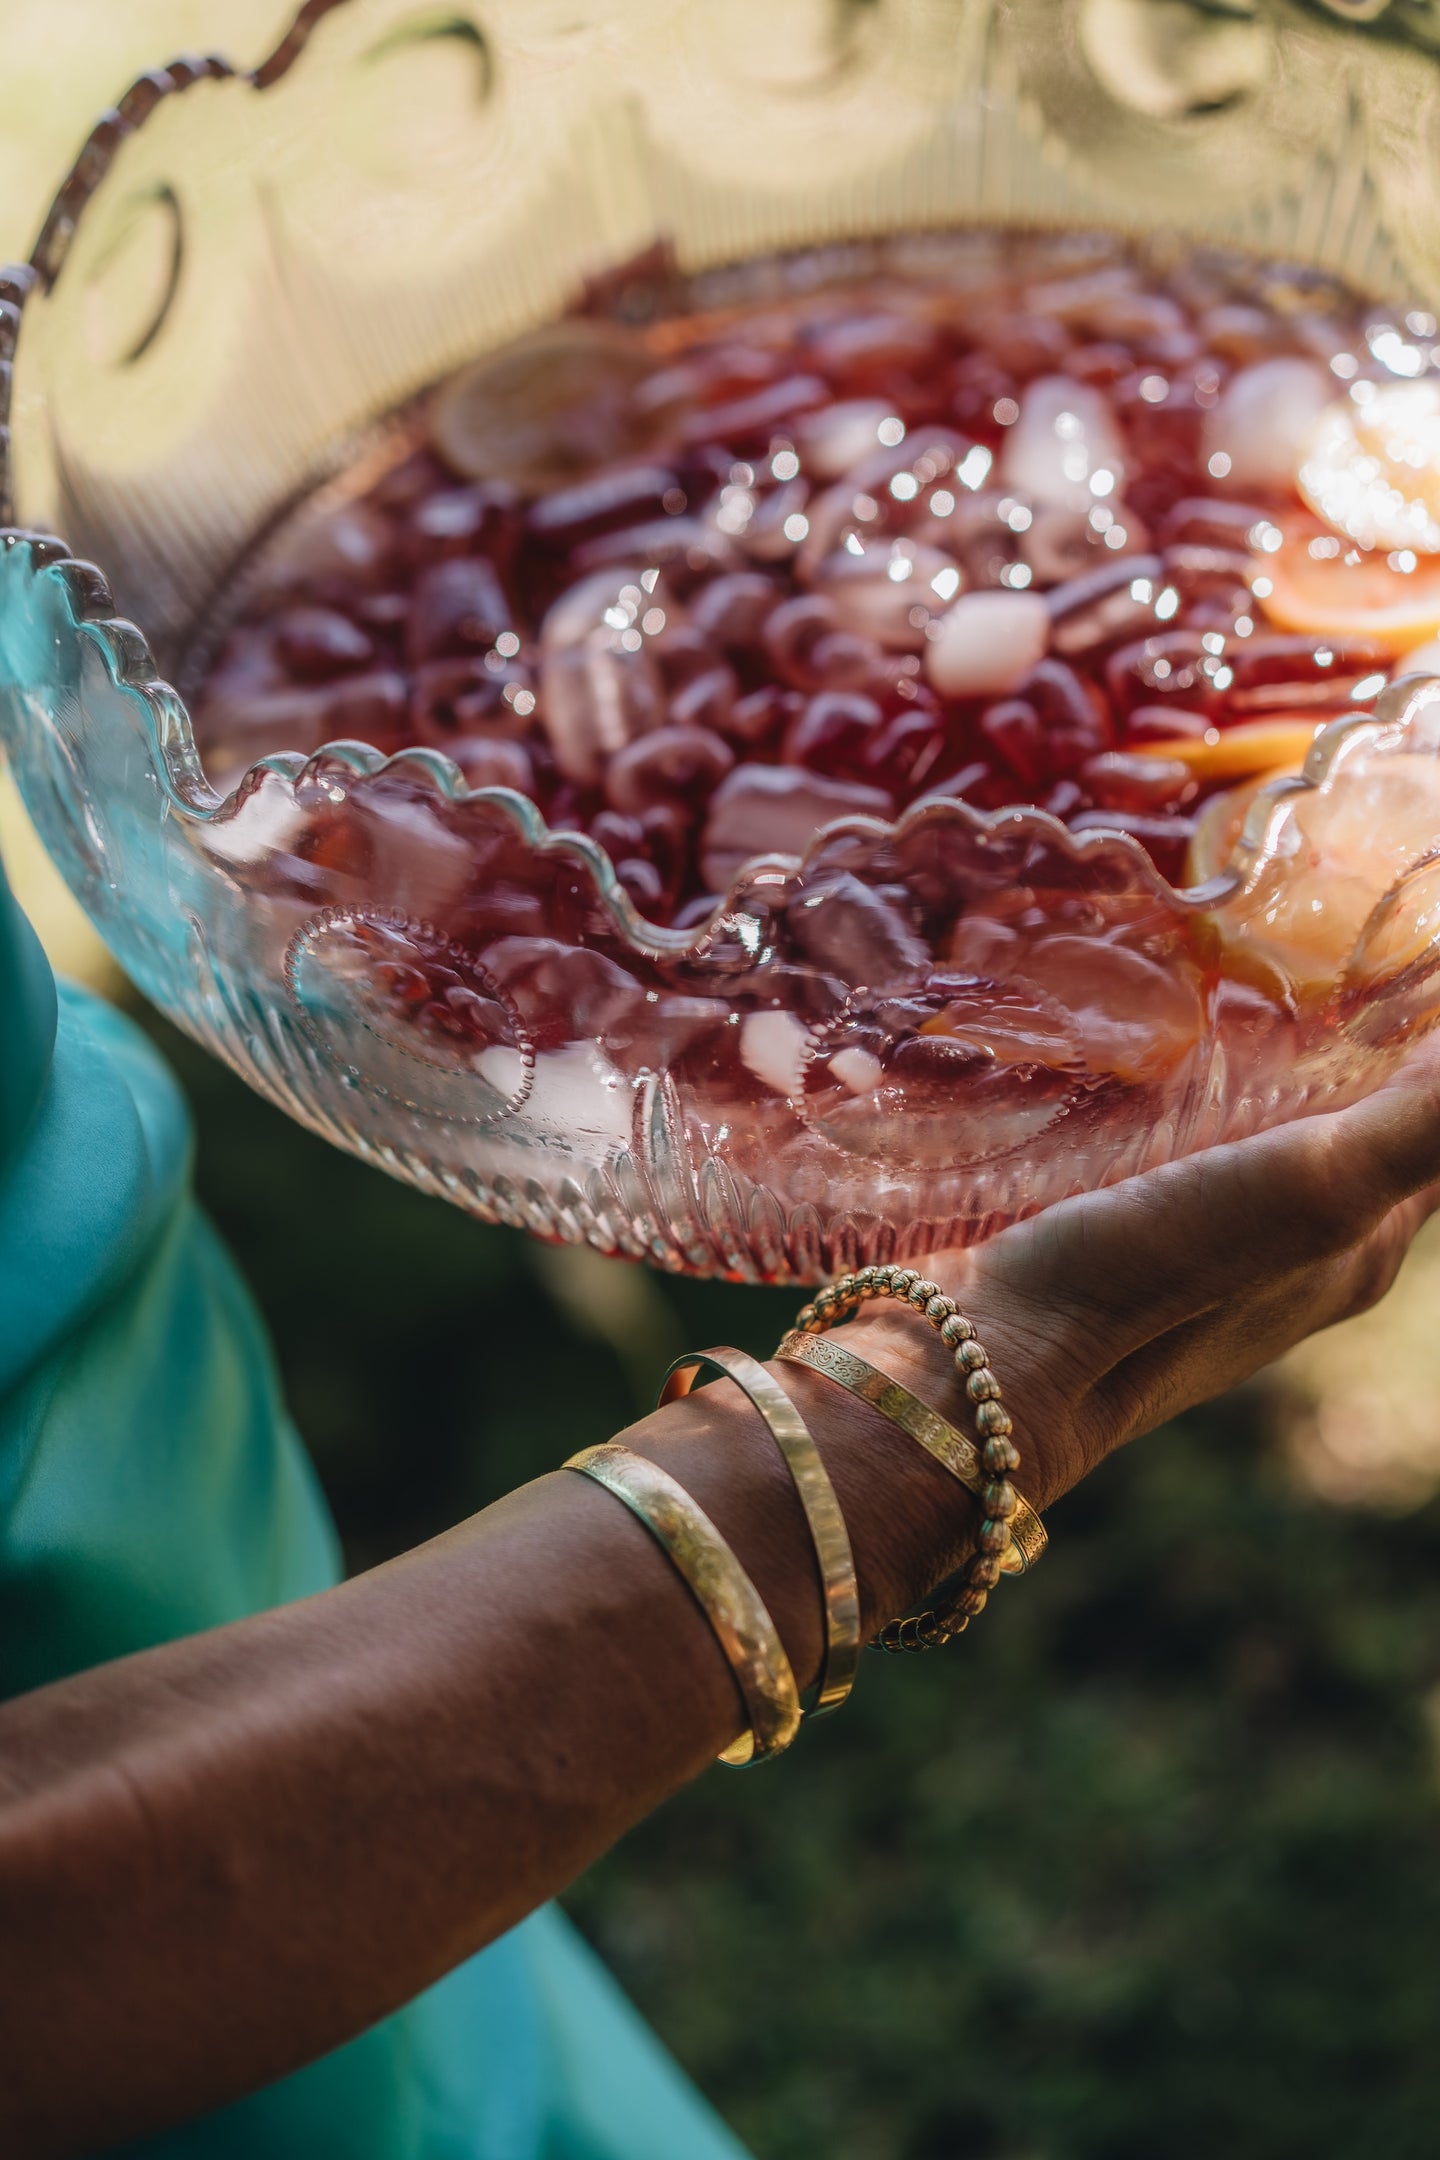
[[773, 1046], [987, 643], [1065, 448], [1256, 432]]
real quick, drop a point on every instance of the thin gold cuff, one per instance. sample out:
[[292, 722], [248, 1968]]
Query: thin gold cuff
[[840, 1594], [721, 1588], [951, 1449]]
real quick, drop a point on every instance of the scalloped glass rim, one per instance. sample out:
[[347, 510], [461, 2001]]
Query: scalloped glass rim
[[131, 665]]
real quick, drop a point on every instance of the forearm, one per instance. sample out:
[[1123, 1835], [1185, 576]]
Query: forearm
[[251, 1844]]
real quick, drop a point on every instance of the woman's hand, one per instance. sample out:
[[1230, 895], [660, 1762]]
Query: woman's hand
[[1111, 1313]]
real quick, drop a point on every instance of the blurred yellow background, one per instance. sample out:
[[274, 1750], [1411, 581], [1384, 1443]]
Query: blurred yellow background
[[61, 63]]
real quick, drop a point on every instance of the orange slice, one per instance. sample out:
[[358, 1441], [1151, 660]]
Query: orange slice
[[1254, 746], [1347, 594], [1299, 921], [1219, 825]]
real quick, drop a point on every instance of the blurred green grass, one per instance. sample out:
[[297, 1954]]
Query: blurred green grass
[[1149, 1865]]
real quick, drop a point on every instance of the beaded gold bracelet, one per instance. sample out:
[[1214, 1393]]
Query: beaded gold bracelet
[[721, 1588], [953, 1450], [950, 1615]]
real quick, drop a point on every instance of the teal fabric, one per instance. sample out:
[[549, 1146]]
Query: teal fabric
[[151, 1485]]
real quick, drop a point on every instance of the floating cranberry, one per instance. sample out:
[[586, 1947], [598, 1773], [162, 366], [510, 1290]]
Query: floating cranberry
[[1102, 363], [1022, 344], [459, 607], [695, 912], [979, 388], [873, 352], [761, 715], [1113, 600], [383, 614], [844, 925], [1165, 839], [596, 697], [670, 764], [681, 652], [906, 751], [1174, 664], [1165, 438], [685, 548], [1279, 673], [331, 560], [668, 830], [461, 521], [889, 591], [791, 636], [642, 881], [834, 732], [317, 644], [565, 993], [604, 502], [1165, 723], [731, 610], [1065, 798], [1211, 521], [1013, 731], [776, 810], [1209, 576], [750, 423], [1119, 780], [1072, 713], [372, 708], [977, 782], [494, 762], [617, 833], [1239, 333], [452, 699], [719, 376], [706, 700]]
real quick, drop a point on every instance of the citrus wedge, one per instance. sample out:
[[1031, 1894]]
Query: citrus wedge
[[1347, 593], [1254, 746], [1339, 850]]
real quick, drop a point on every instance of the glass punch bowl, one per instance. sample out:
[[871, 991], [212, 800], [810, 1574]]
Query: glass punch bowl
[[246, 273]]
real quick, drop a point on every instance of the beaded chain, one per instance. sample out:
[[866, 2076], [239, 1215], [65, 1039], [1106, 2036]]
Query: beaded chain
[[951, 1616]]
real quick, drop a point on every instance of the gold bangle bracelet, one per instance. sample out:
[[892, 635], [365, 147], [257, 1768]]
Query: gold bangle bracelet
[[951, 1449], [839, 1591], [721, 1588]]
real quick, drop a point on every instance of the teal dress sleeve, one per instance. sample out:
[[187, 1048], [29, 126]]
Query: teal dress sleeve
[[151, 1486]]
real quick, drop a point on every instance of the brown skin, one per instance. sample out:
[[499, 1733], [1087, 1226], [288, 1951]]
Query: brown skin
[[223, 1857]]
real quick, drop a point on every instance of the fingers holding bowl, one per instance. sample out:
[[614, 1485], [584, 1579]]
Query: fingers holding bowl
[[1116, 1310], [1221, 1348], [1113, 1270]]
